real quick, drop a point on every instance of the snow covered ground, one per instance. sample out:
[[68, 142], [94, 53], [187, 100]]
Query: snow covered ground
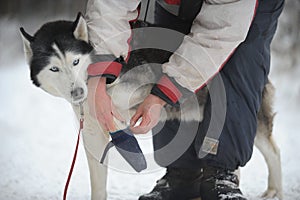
[[38, 134]]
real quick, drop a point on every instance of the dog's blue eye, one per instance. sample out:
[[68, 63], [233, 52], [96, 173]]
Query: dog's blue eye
[[75, 62], [54, 69]]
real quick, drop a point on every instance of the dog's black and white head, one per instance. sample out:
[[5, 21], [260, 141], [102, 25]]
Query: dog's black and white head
[[58, 55]]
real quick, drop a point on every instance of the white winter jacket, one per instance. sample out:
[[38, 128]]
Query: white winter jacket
[[217, 30]]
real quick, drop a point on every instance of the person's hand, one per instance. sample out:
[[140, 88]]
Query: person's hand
[[101, 105], [149, 111]]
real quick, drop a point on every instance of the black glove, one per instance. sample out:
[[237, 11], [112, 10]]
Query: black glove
[[128, 147]]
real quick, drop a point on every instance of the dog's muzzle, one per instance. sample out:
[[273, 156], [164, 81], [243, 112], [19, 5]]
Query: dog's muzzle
[[77, 94]]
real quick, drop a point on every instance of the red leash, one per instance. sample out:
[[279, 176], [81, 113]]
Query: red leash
[[75, 155]]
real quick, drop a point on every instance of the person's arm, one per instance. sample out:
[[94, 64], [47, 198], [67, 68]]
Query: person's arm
[[108, 25], [109, 31], [100, 104], [217, 30]]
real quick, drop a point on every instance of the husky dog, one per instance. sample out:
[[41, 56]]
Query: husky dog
[[58, 55]]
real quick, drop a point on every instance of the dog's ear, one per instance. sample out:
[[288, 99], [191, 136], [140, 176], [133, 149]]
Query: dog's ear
[[27, 40], [80, 28]]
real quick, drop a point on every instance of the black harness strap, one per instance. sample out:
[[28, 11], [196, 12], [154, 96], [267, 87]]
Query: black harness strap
[[189, 9]]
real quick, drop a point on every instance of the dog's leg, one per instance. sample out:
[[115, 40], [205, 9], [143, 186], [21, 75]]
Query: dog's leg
[[94, 142], [271, 153], [266, 144], [238, 173], [98, 178]]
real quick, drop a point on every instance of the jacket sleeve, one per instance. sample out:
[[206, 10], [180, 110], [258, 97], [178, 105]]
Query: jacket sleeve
[[217, 30], [109, 28]]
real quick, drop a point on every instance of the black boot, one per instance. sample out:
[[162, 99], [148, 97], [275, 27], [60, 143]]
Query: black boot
[[181, 184], [185, 184], [223, 185]]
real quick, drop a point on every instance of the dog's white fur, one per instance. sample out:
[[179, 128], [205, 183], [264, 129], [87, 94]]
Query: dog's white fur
[[95, 139]]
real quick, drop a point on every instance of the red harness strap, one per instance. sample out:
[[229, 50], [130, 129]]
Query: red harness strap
[[100, 68], [174, 2], [73, 161]]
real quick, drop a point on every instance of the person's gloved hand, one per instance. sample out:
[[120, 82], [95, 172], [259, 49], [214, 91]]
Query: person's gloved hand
[[149, 111], [101, 105]]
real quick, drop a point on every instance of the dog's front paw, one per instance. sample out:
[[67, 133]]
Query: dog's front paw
[[272, 193]]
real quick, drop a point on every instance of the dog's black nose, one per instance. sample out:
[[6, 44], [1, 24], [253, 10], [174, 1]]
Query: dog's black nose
[[77, 93]]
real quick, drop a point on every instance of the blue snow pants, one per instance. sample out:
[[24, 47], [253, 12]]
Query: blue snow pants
[[244, 76]]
